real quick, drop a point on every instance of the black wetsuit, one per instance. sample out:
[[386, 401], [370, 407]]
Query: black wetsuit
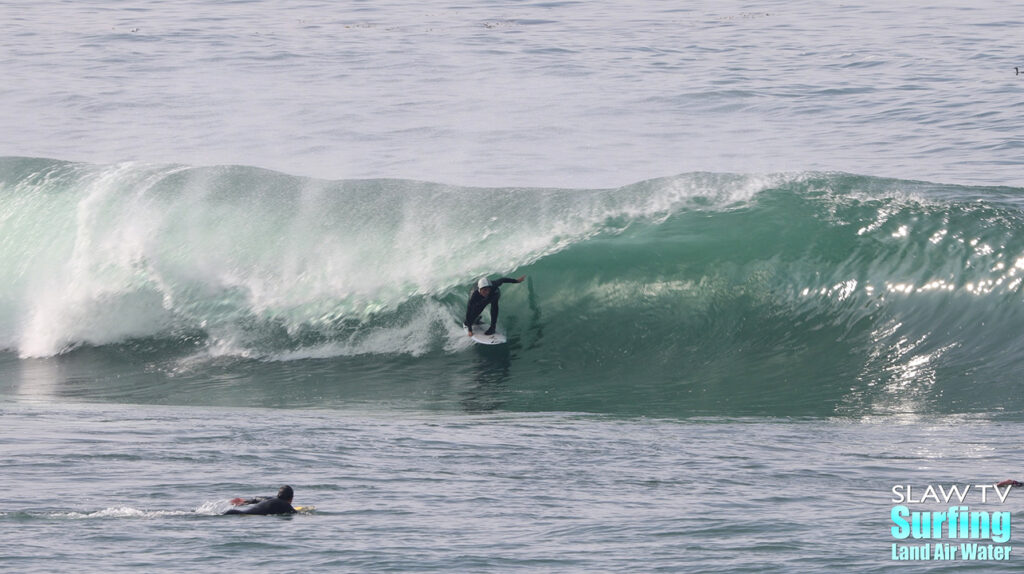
[[477, 302], [272, 505]]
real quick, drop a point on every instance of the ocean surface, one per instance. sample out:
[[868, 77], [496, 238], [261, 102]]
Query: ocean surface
[[774, 256]]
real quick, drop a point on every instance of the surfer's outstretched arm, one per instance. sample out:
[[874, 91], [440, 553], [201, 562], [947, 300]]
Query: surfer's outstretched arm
[[504, 280], [1010, 482]]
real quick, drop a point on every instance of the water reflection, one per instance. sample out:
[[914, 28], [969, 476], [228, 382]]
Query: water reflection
[[490, 373]]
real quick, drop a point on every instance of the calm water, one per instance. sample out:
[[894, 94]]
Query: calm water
[[521, 93], [129, 488], [774, 265]]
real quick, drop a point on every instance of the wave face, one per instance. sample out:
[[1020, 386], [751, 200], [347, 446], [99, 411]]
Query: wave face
[[806, 293]]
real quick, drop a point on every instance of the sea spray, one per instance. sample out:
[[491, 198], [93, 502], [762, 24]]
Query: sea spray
[[99, 254]]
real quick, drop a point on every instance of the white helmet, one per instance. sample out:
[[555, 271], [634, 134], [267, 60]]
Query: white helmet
[[483, 282]]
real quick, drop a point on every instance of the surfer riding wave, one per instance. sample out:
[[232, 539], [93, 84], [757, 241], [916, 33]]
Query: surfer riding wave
[[486, 293]]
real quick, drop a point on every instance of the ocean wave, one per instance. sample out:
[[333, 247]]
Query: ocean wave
[[895, 290], [249, 258]]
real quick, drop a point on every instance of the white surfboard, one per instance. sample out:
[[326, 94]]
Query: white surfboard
[[495, 339]]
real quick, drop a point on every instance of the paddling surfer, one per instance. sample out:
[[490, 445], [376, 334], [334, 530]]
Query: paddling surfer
[[280, 504]]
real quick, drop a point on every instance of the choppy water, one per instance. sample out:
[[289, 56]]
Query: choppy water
[[774, 266]]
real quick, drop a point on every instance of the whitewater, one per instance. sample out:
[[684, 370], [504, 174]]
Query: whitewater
[[774, 265]]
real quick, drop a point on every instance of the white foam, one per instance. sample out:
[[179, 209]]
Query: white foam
[[126, 512], [138, 251]]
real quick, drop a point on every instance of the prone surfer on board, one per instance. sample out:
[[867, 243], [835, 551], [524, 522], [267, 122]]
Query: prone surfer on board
[[486, 293], [280, 504]]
